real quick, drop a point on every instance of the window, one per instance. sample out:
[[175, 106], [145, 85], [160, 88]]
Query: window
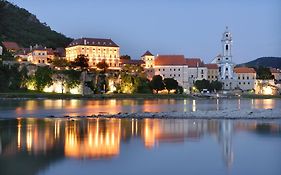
[[226, 35], [243, 78], [159, 69], [212, 76], [163, 69], [174, 69], [244, 82], [226, 47], [179, 69], [202, 76], [248, 82], [226, 77], [208, 76], [239, 82], [226, 58], [170, 69], [191, 76], [202, 71], [226, 69], [238, 78], [247, 78], [179, 75]]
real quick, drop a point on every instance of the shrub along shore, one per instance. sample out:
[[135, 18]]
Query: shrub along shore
[[40, 95]]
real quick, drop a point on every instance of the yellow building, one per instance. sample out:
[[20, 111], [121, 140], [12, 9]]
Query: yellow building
[[213, 72], [96, 50], [246, 77]]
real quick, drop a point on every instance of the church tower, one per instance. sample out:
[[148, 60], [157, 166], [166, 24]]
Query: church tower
[[224, 61]]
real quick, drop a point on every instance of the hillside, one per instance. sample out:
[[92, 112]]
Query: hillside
[[17, 24], [274, 62]]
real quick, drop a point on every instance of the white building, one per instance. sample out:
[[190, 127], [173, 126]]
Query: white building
[[185, 70], [225, 64], [246, 78]]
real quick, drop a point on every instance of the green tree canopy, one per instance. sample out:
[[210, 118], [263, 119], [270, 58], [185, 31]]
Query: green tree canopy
[[157, 83], [81, 61], [170, 84], [202, 84], [216, 85], [43, 78], [57, 62], [264, 73], [103, 66], [125, 57]]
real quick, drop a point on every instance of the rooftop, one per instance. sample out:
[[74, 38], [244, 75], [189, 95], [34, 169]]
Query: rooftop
[[93, 42], [10, 45], [244, 70]]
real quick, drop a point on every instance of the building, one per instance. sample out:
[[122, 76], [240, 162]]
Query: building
[[11, 47], [225, 64], [213, 72], [39, 55], [96, 50], [276, 73], [246, 78], [1, 50], [196, 70], [148, 59], [172, 66]]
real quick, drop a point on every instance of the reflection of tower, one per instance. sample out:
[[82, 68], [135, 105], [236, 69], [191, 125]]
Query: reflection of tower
[[225, 138]]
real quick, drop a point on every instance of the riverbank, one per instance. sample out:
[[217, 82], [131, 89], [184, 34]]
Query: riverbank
[[220, 114], [38, 95]]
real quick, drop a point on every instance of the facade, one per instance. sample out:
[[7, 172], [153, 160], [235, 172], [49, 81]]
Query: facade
[[148, 59], [38, 55], [213, 72], [225, 64], [12, 47], [196, 70], [246, 78], [96, 50], [172, 66], [1, 50], [276, 73]]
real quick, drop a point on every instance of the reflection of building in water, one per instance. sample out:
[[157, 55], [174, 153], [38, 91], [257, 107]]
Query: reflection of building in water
[[101, 138], [155, 131], [225, 139]]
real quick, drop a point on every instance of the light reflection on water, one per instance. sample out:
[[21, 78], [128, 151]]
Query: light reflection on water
[[74, 107], [45, 141]]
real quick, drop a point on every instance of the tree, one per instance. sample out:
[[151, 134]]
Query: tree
[[103, 66], [125, 57], [170, 84], [60, 62], [157, 83], [202, 84], [264, 73], [43, 78], [216, 85], [81, 61]]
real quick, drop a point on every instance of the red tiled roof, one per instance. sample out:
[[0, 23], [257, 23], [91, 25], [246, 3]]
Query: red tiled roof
[[166, 60], [93, 42], [10, 45], [212, 66], [244, 70], [147, 53], [194, 62], [133, 62]]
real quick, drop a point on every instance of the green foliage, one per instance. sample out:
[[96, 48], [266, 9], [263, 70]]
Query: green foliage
[[103, 66], [202, 84], [125, 57], [42, 78], [157, 83], [134, 84], [216, 85], [264, 73], [81, 61], [179, 90], [18, 25], [72, 77], [57, 62], [170, 84], [12, 78]]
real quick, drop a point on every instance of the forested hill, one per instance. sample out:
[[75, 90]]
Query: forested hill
[[274, 62], [17, 24]]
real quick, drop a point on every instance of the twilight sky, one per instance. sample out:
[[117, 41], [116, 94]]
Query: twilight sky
[[190, 27]]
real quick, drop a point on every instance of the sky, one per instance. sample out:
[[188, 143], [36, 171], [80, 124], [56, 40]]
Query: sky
[[190, 27]]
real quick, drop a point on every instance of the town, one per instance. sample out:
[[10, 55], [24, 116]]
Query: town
[[93, 66]]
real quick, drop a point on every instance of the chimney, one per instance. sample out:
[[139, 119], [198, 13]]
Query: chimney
[[30, 47], [85, 42]]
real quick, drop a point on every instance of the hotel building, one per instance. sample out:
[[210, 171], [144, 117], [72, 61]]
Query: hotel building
[[96, 50]]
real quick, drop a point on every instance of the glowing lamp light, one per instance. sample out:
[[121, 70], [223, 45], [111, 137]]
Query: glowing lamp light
[[267, 90]]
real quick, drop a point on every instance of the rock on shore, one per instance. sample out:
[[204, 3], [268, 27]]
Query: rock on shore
[[221, 114]]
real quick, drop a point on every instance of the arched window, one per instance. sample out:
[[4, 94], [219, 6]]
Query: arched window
[[226, 47]]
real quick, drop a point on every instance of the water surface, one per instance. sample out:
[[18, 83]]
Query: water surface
[[149, 146]]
